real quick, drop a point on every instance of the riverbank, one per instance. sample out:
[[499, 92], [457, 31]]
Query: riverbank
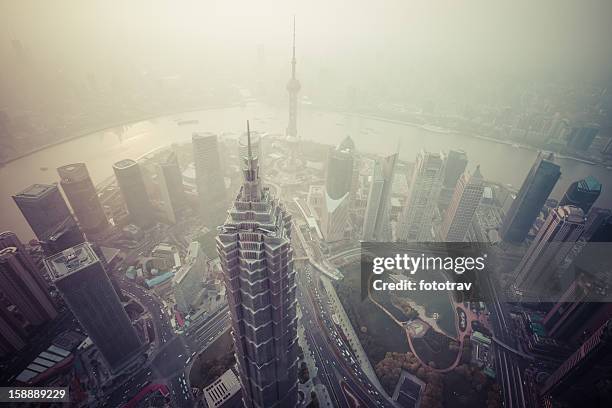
[[131, 121]]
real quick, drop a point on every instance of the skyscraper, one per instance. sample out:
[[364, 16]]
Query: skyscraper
[[209, 177], [22, 283], [254, 246], [583, 379], [83, 198], [188, 281], [171, 186], [338, 183], [81, 279], [582, 193], [134, 192], [530, 199], [581, 136], [455, 163], [416, 220], [44, 209], [460, 213], [12, 335], [376, 222], [293, 87], [538, 269]]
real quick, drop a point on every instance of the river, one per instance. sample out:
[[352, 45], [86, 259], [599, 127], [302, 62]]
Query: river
[[99, 150]]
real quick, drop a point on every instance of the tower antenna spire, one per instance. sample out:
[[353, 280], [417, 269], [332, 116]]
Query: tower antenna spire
[[250, 152], [293, 61]]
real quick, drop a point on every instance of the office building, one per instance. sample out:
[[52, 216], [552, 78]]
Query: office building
[[376, 222], [459, 215], [45, 210], [455, 163], [82, 280], [581, 137], [530, 199], [338, 184], [583, 379], [209, 177], [254, 246], [83, 197], [134, 192], [188, 282], [22, 283], [171, 187], [539, 268], [582, 193], [416, 220]]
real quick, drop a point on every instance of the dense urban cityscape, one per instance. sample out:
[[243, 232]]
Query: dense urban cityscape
[[168, 245]]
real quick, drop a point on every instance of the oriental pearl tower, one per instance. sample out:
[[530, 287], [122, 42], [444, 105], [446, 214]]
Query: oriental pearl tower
[[293, 87]]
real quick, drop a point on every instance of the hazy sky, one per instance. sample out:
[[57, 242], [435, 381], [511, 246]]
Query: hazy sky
[[446, 36]]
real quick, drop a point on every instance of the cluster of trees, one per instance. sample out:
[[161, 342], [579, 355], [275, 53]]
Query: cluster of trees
[[212, 369], [303, 374], [314, 400], [404, 306], [389, 370]]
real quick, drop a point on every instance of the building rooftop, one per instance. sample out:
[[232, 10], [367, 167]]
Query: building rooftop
[[589, 184], [71, 260], [36, 191], [125, 163], [222, 389]]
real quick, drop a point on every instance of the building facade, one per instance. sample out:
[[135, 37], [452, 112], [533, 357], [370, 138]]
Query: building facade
[[538, 269], [210, 184], [82, 197], [188, 282], [80, 277], [530, 199], [338, 184], [416, 220], [254, 246], [463, 205], [376, 221], [134, 192], [171, 187], [582, 194]]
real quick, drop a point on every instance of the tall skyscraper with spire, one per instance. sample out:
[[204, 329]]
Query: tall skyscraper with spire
[[293, 87], [254, 247]]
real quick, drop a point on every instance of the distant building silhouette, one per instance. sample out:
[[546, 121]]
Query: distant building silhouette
[[293, 87], [582, 193], [459, 215], [82, 197], [171, 187], [134, 192], [80, 277], [338, 184], [209, 177], [581, 137], [254, 246], [376, 222], [416, 220], [530, 199]]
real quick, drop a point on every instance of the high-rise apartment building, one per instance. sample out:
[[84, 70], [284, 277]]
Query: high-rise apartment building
[[416, 220], [46, 212], [134, 192], [530, 199], [171, 187], [582, 193], [80, 277], [376, 222], [82, 197], [538, 269], [254, 246], [209, 177], [22, 283], [464, 202], [338, 184]]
